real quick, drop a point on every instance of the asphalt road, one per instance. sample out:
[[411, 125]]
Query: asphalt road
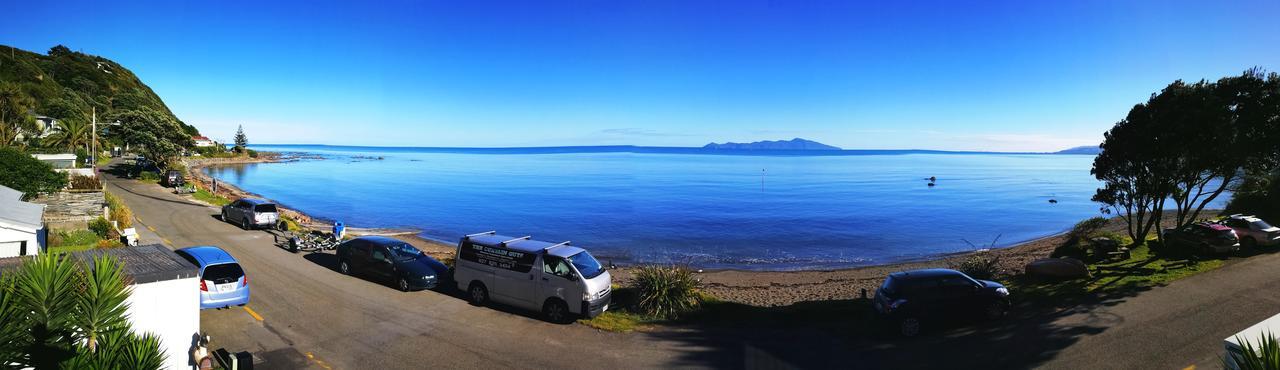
[[304, 314]]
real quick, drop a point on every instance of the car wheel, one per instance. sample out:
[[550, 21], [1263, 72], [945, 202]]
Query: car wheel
[[996, 310], [477, 294], [1249, 243], [244, 224], [556, 311], [344, 268], [909, 327], [224, 216], [403, 285]]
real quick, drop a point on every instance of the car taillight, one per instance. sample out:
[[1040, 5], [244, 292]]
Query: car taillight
[[203, 288], [246, 281]]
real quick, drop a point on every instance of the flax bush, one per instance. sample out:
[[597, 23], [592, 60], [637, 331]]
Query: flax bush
[[666, 291]]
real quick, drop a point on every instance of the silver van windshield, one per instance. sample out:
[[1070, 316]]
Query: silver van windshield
[[586, 264]]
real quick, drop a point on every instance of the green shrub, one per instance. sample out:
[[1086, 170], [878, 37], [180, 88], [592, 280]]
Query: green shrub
[[120, 213], [253, 153], [977, 266], [666, 291], [1085, 229], [19, 171], [1265, 355], [101, 227], [85, 182], [148, 176]]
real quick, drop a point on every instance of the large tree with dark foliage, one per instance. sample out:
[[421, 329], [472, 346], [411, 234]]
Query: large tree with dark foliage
[[157, 136], [241, 140], [1187, 145], [19, 171]]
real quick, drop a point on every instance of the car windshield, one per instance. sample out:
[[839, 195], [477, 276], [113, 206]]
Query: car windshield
[[586, 265], [404, 251], [1261, 225]]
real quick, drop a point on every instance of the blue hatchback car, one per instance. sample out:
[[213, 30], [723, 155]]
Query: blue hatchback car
[[222, 282]]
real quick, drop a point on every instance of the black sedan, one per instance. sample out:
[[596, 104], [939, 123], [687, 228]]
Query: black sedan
[[390, 260], [914, 298]]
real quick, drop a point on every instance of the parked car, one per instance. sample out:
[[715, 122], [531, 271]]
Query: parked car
[[392, 261], [223, 282], [250, 213], [1203, 237], [174, 178], [1253, 231], [560, 280], [913, 299]]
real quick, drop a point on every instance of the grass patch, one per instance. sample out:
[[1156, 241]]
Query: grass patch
[[71, 241], [1142, 270], [619, 321], [211, 198]]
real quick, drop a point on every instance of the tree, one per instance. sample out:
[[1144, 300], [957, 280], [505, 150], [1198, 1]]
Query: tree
[[14, 116], [1188, 144], [28, 175], [72, 134], [58, 313], [241, 140], [156, 135]]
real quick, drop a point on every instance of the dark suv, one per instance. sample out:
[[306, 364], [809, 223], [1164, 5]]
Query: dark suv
[[1203, 237], [911, 298]]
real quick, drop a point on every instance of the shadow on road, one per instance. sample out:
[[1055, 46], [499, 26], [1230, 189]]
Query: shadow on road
[[847, 333]]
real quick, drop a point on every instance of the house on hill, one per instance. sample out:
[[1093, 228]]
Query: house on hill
[[202, 141], [22, 231]]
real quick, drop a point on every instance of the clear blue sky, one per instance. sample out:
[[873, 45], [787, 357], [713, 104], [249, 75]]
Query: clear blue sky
[[985, 75]]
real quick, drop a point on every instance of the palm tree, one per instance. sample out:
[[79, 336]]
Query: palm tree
[[58, 313], [72, 134]]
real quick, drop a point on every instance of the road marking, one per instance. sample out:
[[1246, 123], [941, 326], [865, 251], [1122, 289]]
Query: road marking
[[1192, 367], [166, 241], [251, 313], [318, 361], [149, 227]]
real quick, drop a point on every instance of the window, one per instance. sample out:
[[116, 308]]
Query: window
[[379, 254], [1260, 225], [586, 264], [188, 257], [556, 266], [265, 208], [223, 273], [404, 251]]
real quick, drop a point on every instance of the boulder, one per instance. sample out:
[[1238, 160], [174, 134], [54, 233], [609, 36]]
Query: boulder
[[1057, 268]]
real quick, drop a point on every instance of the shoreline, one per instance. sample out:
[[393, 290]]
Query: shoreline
[[753, 287]]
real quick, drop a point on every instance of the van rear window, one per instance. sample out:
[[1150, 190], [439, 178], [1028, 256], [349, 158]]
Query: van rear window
[[264, 208], [223, 273]]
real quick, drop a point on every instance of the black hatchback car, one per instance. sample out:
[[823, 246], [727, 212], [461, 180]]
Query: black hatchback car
[[910, 299], [392, 261]]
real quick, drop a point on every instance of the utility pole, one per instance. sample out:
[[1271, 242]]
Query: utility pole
[[93, 156]]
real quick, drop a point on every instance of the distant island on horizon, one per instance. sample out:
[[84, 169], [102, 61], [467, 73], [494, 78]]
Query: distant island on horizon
[[793, 144], [793, 147]]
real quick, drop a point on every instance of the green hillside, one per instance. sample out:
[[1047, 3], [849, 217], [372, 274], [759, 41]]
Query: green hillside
[[66, 84]]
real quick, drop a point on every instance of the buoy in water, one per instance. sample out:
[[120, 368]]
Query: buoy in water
[[931, 184], [1053, 201]]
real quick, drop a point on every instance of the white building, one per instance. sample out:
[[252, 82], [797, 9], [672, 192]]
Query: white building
[[165, 300], [58, 161], [22, 232], [203, 142]]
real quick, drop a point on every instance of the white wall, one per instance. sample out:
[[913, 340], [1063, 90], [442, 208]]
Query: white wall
[[169, 309], [10, 241]]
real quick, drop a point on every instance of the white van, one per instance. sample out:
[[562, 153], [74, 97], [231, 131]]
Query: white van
[[560, 280]]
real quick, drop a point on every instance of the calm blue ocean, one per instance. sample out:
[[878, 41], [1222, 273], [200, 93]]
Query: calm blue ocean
[[713, 211]]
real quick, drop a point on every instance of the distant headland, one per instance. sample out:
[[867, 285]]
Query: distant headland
[[793, 144]]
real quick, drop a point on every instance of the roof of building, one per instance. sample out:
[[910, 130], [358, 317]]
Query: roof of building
[[13, 210], [55, 157], [198, 137], [143, 264]]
